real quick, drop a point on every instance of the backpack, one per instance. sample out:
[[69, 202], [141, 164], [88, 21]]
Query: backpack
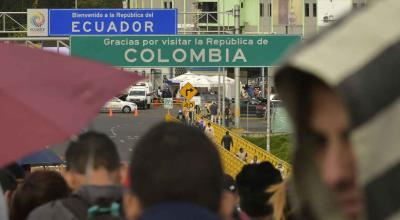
[[102, 209]]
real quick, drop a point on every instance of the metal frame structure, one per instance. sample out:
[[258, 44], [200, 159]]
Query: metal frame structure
[[9, 16]]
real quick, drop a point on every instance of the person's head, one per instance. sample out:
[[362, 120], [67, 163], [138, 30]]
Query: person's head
[[241, 150], [227, 132], [92, 159], [230, 197], [255, 158], [209, 124], [38, 188], [323, 127], [334, 156], [172, 156], [253, 182]]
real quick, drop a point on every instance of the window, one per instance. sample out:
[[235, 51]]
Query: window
[[354, 5], [269, 9], [307, 10], [261, 9], [362, 4], [314, 9], [208, 7], [167, 4], [137, 93], [241, 4]]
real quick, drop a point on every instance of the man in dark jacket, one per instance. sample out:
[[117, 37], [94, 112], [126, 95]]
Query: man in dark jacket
[[93, 171], [227, 141], [214, 112], [178, 185]]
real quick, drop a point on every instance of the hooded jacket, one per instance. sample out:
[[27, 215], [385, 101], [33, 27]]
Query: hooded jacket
[[57, 210], [359, 57]]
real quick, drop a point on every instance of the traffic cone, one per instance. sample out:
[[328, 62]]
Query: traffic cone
[[110, 112], [136, 113]]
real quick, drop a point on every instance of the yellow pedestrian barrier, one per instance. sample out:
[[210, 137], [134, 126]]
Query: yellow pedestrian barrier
[[232, 165], [251, 149]]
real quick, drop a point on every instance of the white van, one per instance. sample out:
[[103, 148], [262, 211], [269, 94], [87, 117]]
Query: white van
[[140, 95]]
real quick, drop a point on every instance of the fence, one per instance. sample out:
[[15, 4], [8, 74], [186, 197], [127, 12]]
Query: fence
[[232, 165]]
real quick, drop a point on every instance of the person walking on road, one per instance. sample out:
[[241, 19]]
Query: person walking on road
[[227, 141], [214, 112], [209, 131], [227, 115]]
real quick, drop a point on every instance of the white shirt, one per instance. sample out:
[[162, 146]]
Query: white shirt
[[209, 131], [242, 155]]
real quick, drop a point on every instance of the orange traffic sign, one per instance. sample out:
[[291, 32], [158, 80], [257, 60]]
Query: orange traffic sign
[[188, 91], [188, 105]]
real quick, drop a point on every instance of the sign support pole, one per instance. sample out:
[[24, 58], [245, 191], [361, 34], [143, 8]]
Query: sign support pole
[[219, 94], [223, 94], [268, 110], [263, 82], [236, 14]]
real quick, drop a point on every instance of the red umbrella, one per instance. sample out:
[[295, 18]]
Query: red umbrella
[[45, 98]]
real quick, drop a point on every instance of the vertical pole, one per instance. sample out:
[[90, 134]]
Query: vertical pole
[[303, 18], [268, 110], [236, 14], [4, 22], [184, 16], [223, 94], [259, 17], [247, 116], [219, 94], [272, 16], [151, 4], [76, 3], [263, 82]]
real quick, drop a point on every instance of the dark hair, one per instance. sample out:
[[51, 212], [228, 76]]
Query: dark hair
[[253, 181], [16, 170], [92, 145], [176, 163], [227, 132], [7, 180], [38, 188]]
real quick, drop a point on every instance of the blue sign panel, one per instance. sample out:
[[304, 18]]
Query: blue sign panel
[[66, 22]]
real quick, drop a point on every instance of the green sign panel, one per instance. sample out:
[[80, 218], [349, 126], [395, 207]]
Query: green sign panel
[[184, 50]]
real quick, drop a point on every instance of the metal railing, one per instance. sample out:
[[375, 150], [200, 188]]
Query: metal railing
[[232, 165], [9, 19], [251, 149], [202, 22]]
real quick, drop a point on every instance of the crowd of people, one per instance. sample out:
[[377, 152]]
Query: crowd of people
[[186, 184], [345, 111]]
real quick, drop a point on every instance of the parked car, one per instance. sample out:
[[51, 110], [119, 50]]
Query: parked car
[[117, 105], [250, 107]]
